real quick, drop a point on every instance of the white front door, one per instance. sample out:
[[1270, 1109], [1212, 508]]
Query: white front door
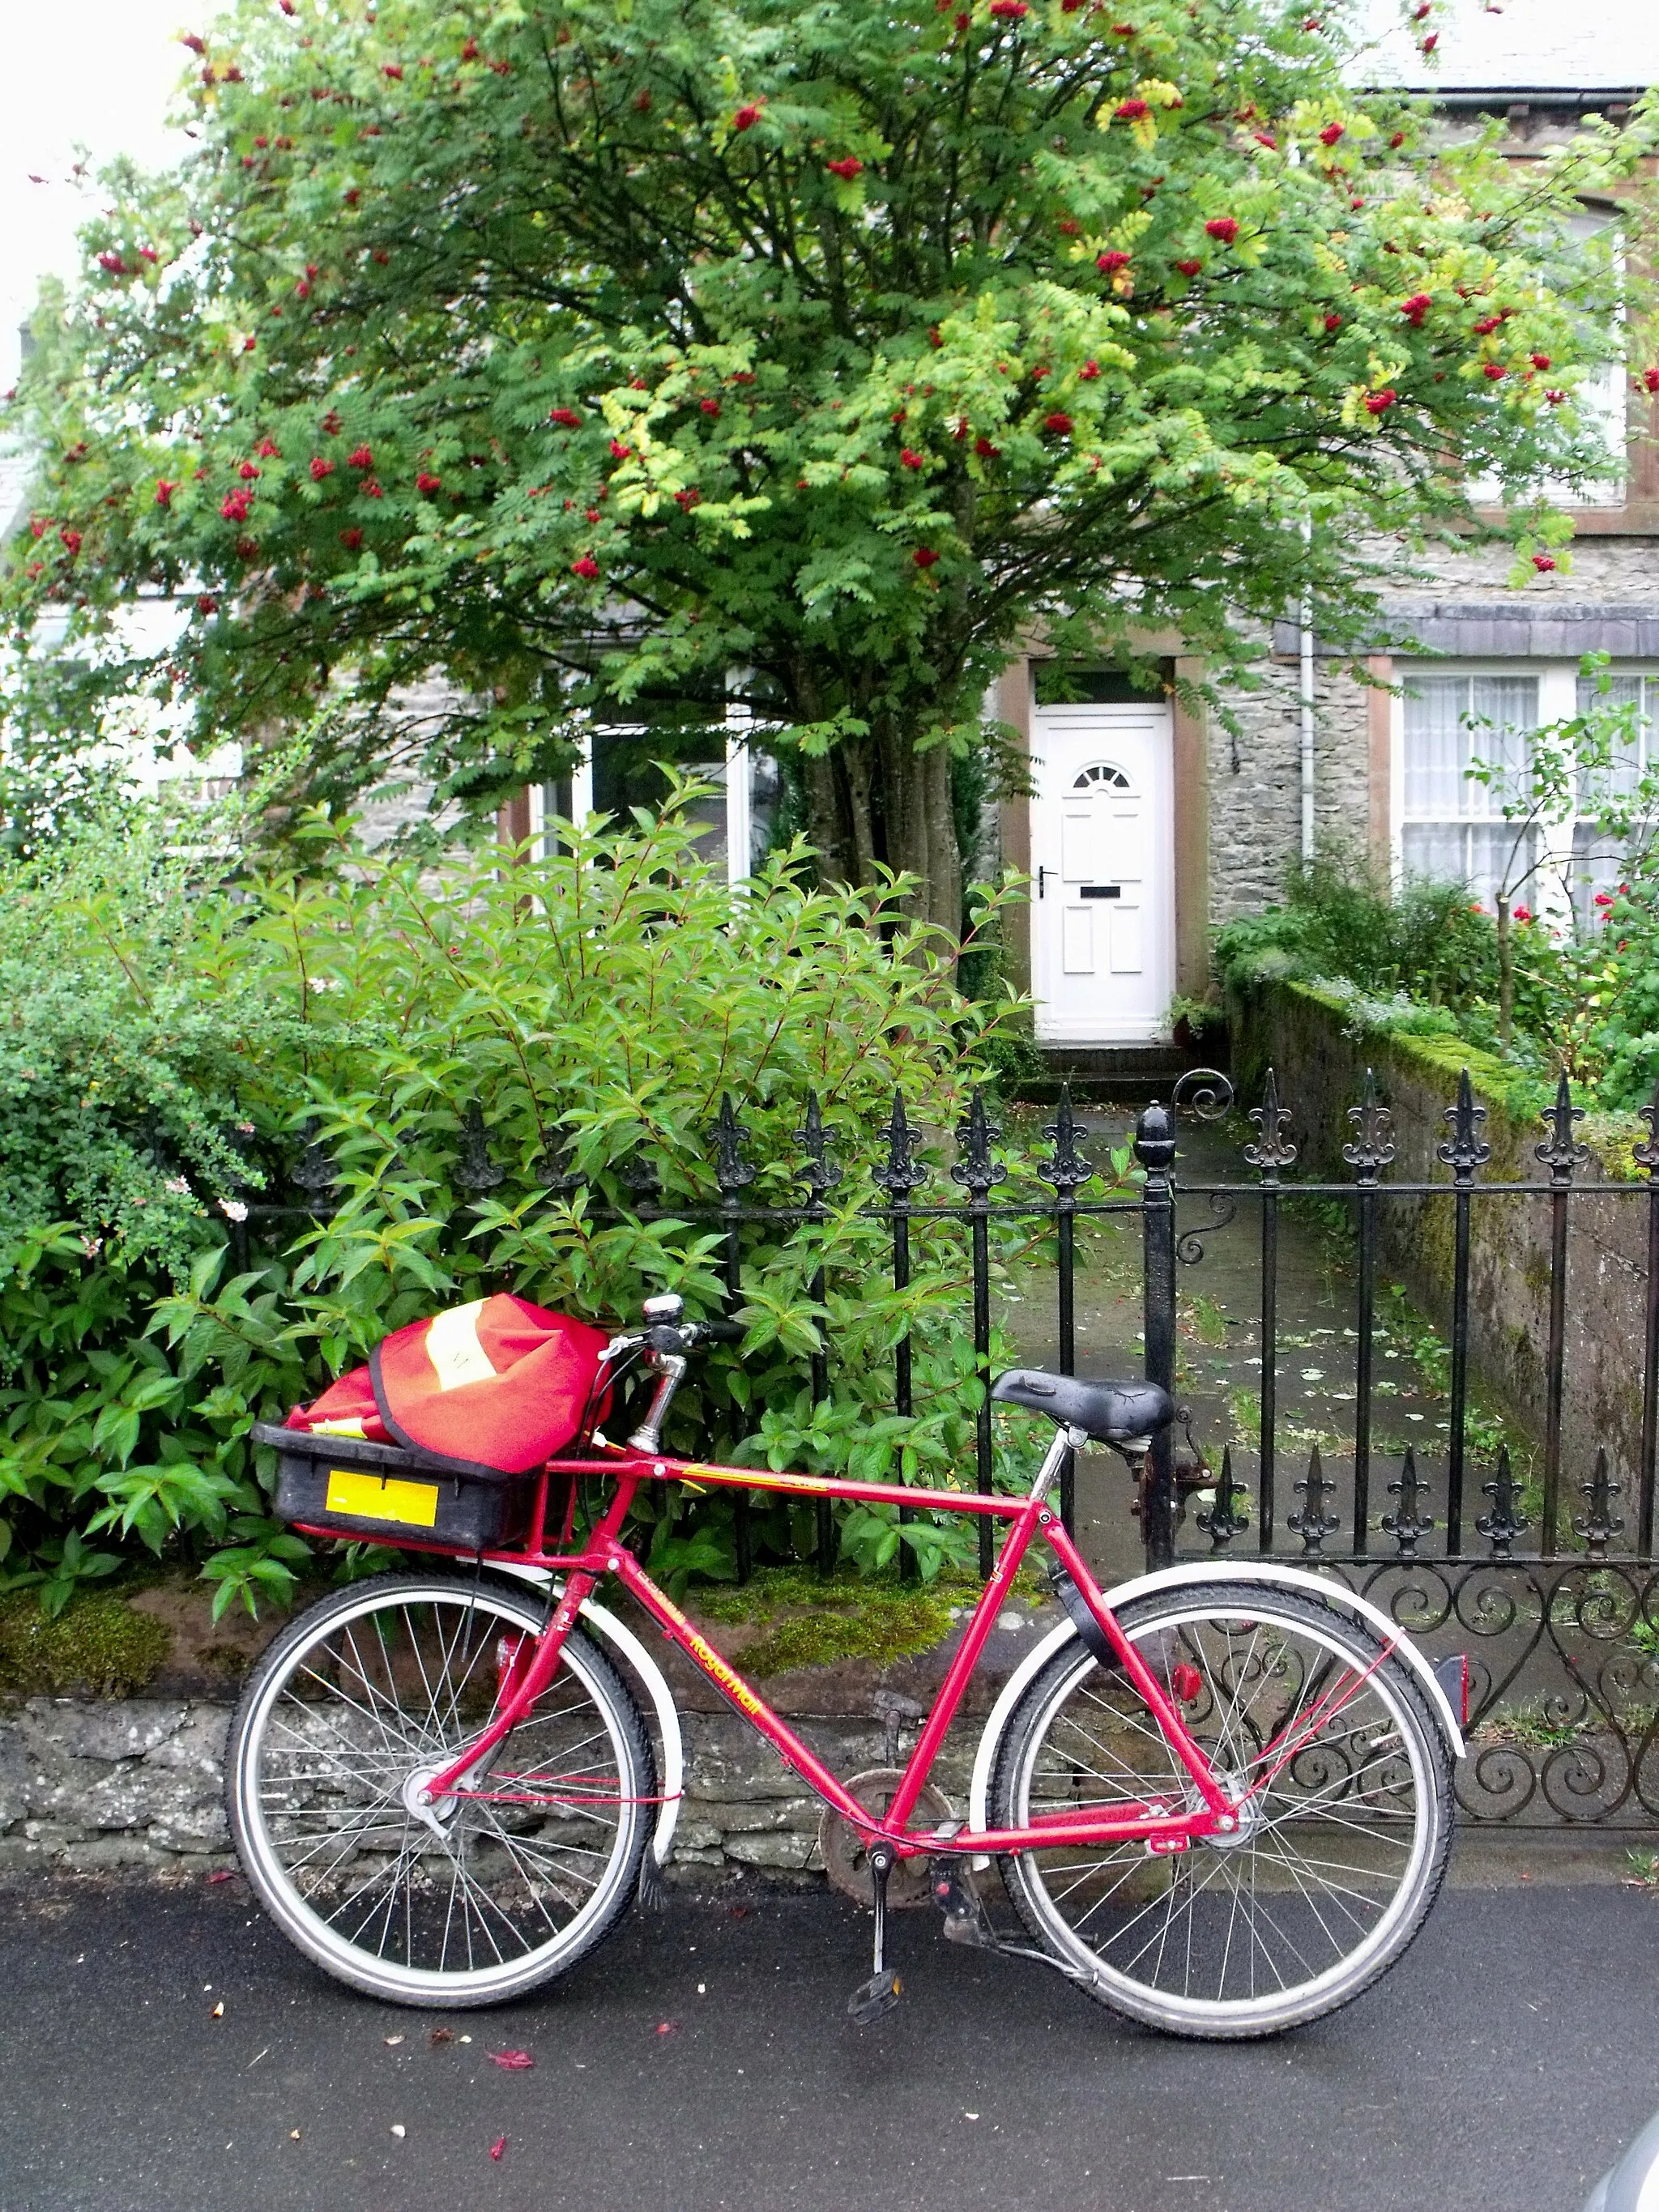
[[1103, 858]]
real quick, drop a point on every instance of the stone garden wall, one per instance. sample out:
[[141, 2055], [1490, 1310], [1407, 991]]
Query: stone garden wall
[[136, 1785], [1321, 1066]]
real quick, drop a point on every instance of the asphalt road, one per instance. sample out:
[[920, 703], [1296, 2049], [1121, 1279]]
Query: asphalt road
[[702, 2062]]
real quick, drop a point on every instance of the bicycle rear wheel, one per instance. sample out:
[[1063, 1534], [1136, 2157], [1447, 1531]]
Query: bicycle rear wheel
[[486, 1894], [1343, 1792]]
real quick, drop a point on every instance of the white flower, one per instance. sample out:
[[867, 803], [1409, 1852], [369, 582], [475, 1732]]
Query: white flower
[[177, 1186], [92, 1246], [233, 1209]]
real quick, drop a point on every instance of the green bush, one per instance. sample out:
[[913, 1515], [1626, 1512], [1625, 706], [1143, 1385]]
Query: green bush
[[1424, 962], [177, 1039]]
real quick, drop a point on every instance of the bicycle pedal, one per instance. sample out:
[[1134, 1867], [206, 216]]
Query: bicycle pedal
[[879, 1995], [966, 1920]]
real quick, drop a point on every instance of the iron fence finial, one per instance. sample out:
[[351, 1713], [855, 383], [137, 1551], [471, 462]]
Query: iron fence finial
[[1225, 1519], [1407, 1523], [1600, 1524], [1466, 1149], [732, 1173], [1272, 1149], [820, 1173], [1066, 1168], [1561, 1152], [976, 1169], [1372, 1147], [901, 1173], [1311, 1522], [1503, 1524]]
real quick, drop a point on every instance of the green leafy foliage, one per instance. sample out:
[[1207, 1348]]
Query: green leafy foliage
[[590, 355], [581, 1016], [1571, 986]]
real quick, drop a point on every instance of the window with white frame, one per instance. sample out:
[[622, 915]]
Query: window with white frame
[[1600, 856], [1451, 826]]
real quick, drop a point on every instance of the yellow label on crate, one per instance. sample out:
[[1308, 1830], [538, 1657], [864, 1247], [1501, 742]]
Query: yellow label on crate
[[366, 1497]]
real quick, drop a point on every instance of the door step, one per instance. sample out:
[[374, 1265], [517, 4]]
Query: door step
[[1113, 1072]]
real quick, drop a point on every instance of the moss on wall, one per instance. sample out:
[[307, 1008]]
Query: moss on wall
[[98, 1644], [813, 1622]]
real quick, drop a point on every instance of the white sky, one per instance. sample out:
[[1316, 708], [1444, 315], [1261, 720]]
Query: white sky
[[100, 72]]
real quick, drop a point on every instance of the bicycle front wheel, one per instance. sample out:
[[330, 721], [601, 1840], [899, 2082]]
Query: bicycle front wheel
[[1342, 1789], [483, 1895]]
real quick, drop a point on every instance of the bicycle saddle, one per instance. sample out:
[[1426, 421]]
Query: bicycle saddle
[[1112, 1413]]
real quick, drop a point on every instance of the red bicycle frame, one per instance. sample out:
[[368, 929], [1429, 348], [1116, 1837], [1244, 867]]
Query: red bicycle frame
[[1162, 1825]]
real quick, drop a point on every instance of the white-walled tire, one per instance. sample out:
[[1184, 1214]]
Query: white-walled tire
[[392, 1677], [1339, 1851]]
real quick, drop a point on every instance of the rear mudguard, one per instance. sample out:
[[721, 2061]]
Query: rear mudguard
[[1204, 1571], [638, 1661]]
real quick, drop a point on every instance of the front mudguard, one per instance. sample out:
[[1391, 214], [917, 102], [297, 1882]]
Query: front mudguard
[[637, 1661]]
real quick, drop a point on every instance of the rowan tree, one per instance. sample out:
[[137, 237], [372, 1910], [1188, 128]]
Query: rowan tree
[[587, 356]]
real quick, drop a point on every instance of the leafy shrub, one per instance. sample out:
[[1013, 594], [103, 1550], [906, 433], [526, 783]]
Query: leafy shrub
[[587, 1012], [1424, 962]]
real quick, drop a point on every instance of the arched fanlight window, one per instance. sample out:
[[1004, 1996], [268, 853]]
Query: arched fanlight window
[[1103, 775]]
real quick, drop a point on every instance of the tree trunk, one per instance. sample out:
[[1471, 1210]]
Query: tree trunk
[[921, 824], [1505, 976], [877, 801]]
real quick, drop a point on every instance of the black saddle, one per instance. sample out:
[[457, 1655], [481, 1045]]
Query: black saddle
[[1112, 1413]]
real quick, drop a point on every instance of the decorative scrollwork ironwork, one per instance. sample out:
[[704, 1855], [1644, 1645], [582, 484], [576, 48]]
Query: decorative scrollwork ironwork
[[1466, 1149], [1223, 1211], [1272, 1149], [976, 1168], [1561, 1152], [1372, 1147], [1503, 1524], [1310, 1521], [1204, 1092], [1407, 1524], [1066, 1168], [1645, 1150]]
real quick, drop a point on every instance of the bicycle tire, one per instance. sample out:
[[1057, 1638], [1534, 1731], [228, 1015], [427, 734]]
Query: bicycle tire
[[311, 1763], [1257, 1899]]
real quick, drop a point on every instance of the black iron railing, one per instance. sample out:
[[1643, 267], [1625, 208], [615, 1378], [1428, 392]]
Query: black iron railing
[[1544, 1572]]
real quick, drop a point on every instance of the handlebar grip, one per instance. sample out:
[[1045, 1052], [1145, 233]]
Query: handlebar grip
[[724, 1332]]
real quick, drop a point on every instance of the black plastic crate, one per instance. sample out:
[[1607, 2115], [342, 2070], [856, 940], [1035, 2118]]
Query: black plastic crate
[[356, 1488]]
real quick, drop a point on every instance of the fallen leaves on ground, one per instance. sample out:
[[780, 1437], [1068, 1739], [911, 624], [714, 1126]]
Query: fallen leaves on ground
[[218, 2012], [498, 2147], [441, 2035], [666, 2026], [219, 1873], [392, 2041], [515, 2062]]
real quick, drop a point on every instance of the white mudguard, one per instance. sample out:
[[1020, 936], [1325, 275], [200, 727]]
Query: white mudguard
[[1204, 1571], [638, 1661]]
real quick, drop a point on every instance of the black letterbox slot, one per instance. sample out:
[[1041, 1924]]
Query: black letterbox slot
[[1101, 891]]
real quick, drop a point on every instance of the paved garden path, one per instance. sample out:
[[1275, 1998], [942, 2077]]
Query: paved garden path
[[1497, 2070]]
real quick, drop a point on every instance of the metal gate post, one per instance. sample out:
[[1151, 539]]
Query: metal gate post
[[1155, 1150]]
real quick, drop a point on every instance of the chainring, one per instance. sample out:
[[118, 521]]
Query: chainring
[[842, 1848]]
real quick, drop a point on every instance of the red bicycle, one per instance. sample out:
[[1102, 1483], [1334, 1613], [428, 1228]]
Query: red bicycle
[[1220, 1800]]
